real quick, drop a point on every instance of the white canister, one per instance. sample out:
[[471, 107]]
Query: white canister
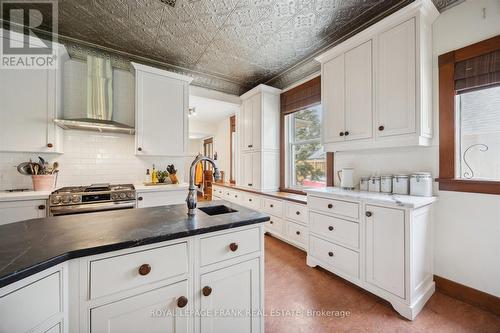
[[386, 184], [363, 183], [400, 184], [421, 184], [374, 184]]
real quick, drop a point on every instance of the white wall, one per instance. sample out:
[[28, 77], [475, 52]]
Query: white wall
[[222, 145], [467, 226]]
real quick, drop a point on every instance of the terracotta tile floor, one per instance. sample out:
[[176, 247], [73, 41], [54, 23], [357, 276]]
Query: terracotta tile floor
[[291, 285]]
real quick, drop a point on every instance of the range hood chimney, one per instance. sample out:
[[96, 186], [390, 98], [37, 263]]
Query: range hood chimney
[[99, 115]]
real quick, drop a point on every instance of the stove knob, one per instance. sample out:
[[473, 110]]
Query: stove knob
[[75, 198], [114, 196], [130, 195], [123, 195], [66, 199], [56, 200]]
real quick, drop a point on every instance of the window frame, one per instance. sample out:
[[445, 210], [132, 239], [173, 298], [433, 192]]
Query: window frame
[[305, 95], [448, 118]]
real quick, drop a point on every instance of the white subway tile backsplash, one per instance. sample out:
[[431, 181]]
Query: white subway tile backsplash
[[89, 158]]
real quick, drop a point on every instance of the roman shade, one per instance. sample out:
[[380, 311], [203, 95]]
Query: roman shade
[[477, 72], [306, 95]]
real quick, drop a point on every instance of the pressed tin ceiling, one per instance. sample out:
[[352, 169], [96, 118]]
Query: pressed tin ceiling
[[239, 42]]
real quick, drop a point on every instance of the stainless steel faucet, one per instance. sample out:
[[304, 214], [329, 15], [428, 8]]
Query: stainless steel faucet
[[191, 199]]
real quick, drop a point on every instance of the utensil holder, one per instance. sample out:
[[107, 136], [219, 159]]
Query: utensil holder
[[44, 182], [173, 178]]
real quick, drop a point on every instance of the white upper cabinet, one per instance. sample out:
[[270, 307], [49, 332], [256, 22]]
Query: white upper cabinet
[[30, 101], [396, 80], [161, 112], [377, 85]]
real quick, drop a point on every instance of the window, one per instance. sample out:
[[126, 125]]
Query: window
[[305, 157], [469, 118]]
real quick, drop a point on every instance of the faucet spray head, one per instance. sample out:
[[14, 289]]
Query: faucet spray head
[[217, 175]]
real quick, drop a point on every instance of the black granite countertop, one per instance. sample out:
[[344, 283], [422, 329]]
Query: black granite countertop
[[31, 246]]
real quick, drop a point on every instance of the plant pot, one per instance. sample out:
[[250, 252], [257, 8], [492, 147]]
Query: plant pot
[[173, 178], [44, 182]]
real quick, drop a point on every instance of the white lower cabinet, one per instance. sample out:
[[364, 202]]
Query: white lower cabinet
[[161, 198], [156, 311], [230, 296], [15, 211]]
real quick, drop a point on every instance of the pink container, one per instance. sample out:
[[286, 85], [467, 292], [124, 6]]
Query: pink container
[[43, 182]]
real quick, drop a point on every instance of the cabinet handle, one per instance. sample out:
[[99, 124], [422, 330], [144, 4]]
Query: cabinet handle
[[331, 228], [250, 146], [330, 254], [50, 145], [41, 207], [368, 214], [330, 206], [233, 247], [250, 184], [144, 269], [139, 198], [206, 291], [139, 149], [346, 133], [182, 301], [297, 232], [297, 212], [381, 128]]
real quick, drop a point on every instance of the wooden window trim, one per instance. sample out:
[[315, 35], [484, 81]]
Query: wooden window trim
[[447, 93], [305, 95]]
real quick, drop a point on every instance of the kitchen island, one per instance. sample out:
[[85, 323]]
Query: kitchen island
[[149, 269]]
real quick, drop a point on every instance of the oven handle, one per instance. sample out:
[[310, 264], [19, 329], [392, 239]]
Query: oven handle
[[92, 207]]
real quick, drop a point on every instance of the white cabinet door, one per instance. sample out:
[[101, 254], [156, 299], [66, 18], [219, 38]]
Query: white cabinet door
[[385, 249], [333, 100], [358, 92], [247, 124], [247, 169], [161, 198], [396, 80], [234, 288], [161, 114], [14, 211], [147, 312], [256, 120]]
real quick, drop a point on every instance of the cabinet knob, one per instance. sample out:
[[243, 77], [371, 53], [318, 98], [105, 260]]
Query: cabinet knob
[[233, 247], [182, 301], [144, 269], [330, 254], [346, 133], [297, 212], [331, 228], [139, 198], [250, 146], [139, 149], [249, 199], [41, 207], [330, 206], [341, 133], [271, 222], [297, 232], [236, 195], [368, 214], [206, 291], [271, 205], [50, 145], [381, 128]]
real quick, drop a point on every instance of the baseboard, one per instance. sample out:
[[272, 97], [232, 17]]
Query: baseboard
[[468, 295]]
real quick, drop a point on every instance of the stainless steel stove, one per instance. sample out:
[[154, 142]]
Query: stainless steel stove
[[93, 198]]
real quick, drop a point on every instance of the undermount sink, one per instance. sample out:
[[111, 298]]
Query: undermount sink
[[217, 210]]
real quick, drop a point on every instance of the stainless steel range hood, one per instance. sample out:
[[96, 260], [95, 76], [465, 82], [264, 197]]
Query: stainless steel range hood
[[99, 110]]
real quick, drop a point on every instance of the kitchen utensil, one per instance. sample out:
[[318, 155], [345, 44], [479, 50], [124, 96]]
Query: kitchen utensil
[[346, 177], [24, 168]]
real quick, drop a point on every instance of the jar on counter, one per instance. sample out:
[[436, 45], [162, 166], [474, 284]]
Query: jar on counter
[[421, 184], [363, 183], [400, 184], [386, 184], [374, 184]]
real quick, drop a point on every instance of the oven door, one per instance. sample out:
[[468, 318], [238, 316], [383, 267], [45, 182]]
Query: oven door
[[91, 207]]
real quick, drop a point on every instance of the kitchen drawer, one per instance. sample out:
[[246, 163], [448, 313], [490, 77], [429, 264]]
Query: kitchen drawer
[[236, 197], [276, 225], [297, 233], [252, 201], [29, 306], [227, 246], [338, 230], [344, 260], [228, 195], [296, 212], [123, 272], [218, 192], [161, 198], [332, 206], [272, 206]]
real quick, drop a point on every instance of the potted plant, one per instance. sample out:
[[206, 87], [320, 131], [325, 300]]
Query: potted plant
[[162, 176], [172, 173]]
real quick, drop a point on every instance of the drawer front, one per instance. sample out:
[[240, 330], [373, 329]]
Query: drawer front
[[39, 301], [332, 206], [228, 195], [338, 230], [296, 212], [272, 206], [336, 256], [276, 225], [227, 246], [110, 275], [161, 198], [218, 192], [297, 233], [251, 201], [236, 197]]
